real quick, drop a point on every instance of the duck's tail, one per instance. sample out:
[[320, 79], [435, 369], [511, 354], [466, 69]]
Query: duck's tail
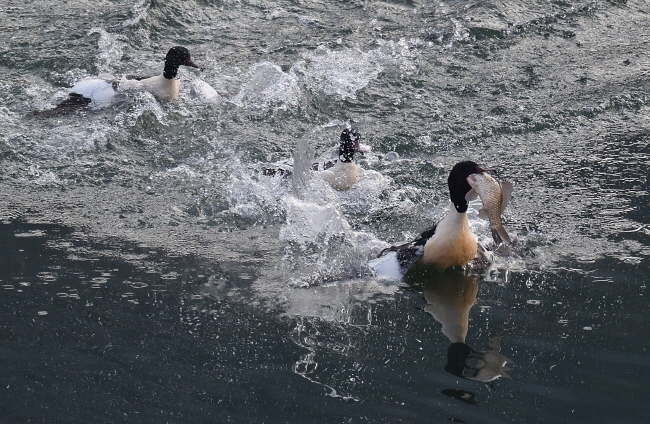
[[73, 104]]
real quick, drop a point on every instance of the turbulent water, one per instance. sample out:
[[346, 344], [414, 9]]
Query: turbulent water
[[151, 271]]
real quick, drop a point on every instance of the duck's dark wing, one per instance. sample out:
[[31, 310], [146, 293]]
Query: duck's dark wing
[[282, 168], [74, 103], [409, 253]]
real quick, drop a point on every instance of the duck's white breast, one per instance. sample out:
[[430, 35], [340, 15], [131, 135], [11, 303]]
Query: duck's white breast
[[453, 242], [162, 87]]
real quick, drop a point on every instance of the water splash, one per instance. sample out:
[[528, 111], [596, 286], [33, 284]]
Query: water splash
[[320, 243], [339, 73], [140, 11], [110, 48], [303, 157], [143, 103], [267, 86]]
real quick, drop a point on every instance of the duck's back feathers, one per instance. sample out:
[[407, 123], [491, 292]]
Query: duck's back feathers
[[95, 91], [393, 262]]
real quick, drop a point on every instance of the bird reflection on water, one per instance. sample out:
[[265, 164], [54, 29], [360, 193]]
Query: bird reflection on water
[[450, 295]]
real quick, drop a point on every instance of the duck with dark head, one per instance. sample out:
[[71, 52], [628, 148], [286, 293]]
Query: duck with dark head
[[100, 91], [343, 173], [449, 243], [337, 166]]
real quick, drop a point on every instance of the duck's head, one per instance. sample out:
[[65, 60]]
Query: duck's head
[[349, 145], [177, 56], [458, 185]]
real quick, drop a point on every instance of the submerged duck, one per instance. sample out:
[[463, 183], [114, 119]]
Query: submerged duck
[[337, 167], [451, 242], [100, 92]]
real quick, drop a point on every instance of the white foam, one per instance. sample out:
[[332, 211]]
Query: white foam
[[267, 86], [387, 267], [110, 48]]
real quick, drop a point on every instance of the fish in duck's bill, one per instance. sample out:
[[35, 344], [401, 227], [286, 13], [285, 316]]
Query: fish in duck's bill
[[495, 196]]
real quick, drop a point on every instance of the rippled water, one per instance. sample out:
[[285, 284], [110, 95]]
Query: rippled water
[[150, 272]]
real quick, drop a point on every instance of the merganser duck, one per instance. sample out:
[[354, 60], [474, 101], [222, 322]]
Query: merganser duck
[[100, 92], [343, 173], [451, 242], [336, 167]]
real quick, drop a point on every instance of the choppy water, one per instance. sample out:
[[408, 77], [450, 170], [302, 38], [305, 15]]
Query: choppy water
[[151, 273]]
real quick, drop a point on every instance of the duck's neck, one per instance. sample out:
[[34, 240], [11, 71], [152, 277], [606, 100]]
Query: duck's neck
[[345, 156], [170, 71], [453, 223]]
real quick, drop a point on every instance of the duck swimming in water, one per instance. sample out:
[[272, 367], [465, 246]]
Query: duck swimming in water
[[337, 167], [100, 92], [343, 172], [450, 242]]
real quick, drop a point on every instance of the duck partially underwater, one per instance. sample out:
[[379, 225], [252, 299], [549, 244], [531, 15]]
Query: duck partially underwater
[[337, 167], [100, 91], [449, 243]]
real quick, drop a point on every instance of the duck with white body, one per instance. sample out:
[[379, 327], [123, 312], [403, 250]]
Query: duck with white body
[[344, 172], [450, 243], [337, 167], [100, 92]]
